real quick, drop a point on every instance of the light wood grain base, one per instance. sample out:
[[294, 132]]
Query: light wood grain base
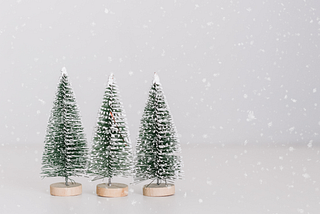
[[113, 191], [60, 189], [154, 190]]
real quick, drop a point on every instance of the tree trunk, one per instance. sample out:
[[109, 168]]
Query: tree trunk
[[158, 181], [109, 182], [66, 179]]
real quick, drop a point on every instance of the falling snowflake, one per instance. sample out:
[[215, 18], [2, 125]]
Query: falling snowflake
[[251, 116], [293, 100], [291, 129], [306, 175]]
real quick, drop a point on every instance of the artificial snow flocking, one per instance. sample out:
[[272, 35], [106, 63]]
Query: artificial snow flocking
[[156, 79], [64, 71]]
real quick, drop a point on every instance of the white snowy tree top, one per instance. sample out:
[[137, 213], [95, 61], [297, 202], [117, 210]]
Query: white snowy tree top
[[111, 79], [156, 78], [64, 71]]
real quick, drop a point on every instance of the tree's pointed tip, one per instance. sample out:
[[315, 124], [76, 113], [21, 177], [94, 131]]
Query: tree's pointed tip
[[111, 79], [64, 71], [156, 78]]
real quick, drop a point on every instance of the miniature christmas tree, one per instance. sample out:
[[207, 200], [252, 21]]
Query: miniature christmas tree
[[111, 153], [65, 150], [157, 145]]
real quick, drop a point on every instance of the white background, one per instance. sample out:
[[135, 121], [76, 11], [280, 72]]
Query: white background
[[232, 71]]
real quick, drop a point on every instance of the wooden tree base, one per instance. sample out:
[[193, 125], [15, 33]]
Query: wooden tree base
[[60, 189], [113, 191], [154, 190]]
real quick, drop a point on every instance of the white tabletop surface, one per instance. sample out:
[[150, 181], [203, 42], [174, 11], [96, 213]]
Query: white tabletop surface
[[218, 179]]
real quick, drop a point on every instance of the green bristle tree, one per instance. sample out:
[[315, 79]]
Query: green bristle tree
[[157, 149], [111, 153], [65, 150]]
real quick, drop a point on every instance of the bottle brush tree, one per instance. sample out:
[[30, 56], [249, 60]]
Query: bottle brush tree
[[65, 149], [111, 153], [157, 149]]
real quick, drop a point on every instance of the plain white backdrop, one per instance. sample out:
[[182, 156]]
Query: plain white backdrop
[[232, 71]]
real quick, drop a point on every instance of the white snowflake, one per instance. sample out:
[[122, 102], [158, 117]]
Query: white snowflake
[[251, 116]]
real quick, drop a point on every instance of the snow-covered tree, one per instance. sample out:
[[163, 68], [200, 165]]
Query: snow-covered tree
[[111, 153], [65, 150], [157, 149]]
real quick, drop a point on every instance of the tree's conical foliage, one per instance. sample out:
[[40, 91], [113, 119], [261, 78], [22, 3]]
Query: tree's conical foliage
[[111, 153], [157, 146], [65, 151]]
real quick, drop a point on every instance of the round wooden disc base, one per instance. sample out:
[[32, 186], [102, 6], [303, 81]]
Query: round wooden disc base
[[113, 191], [60, 189], [154, 190]]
